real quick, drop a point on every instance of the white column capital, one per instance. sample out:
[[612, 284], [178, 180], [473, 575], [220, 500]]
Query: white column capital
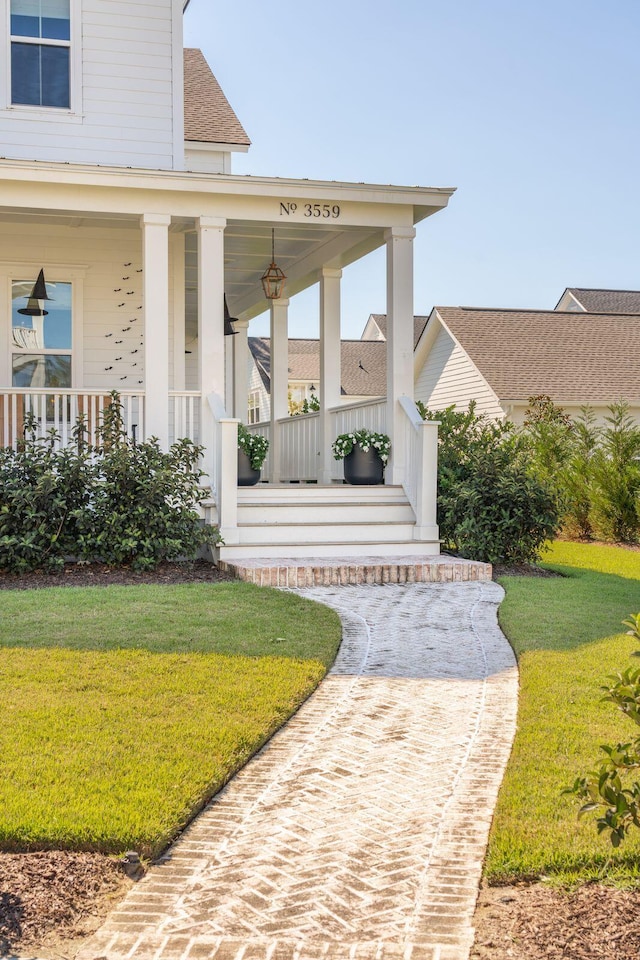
[[282, 302], [240, 324], [155, 220], [400, 233], [203, 223], [331, 273]]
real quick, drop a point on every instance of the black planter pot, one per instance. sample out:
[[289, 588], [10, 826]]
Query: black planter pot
[[247, 476], [363, 468]]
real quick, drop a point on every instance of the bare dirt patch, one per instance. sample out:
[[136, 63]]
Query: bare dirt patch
[[539, 922], [51, 901]]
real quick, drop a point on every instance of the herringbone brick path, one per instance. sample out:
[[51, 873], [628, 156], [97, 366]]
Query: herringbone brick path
[[359, 830]]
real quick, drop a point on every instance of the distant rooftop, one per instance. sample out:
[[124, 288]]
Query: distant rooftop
[[571, 357], [363, 367], [606, 301]]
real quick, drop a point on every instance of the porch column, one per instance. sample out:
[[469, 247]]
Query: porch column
[[240, 369], [179, 344], [155, 279], [279, 379], [399, 341], [211, 348], [330, 360]]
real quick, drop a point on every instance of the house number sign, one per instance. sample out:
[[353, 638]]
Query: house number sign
[[315, 211]]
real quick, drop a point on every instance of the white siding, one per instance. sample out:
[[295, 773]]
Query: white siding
[[449, 377], [256, 383], [122, 102], [96, 259]]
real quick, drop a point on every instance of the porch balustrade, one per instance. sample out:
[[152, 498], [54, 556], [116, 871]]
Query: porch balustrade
[[420, 469], [299, 437], [184, 415], [58, 410]]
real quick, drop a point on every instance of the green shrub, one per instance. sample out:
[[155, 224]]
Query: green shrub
[[616, 478], [490, 506], [609, 789], [118, 502]]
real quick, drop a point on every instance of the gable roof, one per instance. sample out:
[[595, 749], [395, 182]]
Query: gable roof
[[571, 357], [605, 301], [363, 368], [208, 116], [419, 323]]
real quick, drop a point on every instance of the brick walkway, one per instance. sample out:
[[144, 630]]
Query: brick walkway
[[359, 831]]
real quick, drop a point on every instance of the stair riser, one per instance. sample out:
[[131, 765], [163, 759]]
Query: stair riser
[[325, 533], [329, 550], [338, 513]]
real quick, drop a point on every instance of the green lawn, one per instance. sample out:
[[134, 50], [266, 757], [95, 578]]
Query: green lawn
[[568, 636], [126, 708]]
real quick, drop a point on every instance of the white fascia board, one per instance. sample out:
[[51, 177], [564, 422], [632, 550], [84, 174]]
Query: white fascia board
[[40, 171], [470, 358]]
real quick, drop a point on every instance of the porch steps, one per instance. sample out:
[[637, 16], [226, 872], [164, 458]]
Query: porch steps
[[311, 521], [355, 571]]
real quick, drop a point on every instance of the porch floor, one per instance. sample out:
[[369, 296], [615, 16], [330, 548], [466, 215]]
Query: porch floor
[[354, 571]]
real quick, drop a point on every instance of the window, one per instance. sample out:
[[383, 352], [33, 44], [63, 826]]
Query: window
[[41, 345], [40, 53], [254, 407]]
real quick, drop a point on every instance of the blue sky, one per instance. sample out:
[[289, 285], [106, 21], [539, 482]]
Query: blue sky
[[529, 109]]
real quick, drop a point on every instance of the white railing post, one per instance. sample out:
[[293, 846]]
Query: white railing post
[[420, 480], [225, 474]]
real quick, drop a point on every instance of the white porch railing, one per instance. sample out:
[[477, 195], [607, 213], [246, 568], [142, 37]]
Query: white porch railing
[[184, 415], [299, 453], [59, 410], [299, 437], [420, 469]]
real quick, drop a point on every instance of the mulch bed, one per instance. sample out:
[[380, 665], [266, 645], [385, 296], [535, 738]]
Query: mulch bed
[[539, 922], [100, 575], [50, 901]]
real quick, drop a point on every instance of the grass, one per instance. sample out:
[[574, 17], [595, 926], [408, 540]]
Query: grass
[[126, 708], [568, 637]]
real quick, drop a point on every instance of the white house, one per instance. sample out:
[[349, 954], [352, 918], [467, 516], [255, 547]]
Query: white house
[[115, 180], [501, 358]]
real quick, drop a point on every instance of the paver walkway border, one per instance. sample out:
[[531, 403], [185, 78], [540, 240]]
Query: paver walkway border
[[359, 831]]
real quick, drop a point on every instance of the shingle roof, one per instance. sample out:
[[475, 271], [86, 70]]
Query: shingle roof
[[363, 364], [607, 301], [419, 323], [571, 357], [208, 116]]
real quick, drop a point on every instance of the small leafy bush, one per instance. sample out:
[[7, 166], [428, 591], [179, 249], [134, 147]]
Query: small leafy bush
[[117, 502], [608, 789], [490, 505]]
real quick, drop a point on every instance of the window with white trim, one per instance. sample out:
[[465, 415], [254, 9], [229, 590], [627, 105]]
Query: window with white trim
[[42, 346], [254, 407], [40, 53]]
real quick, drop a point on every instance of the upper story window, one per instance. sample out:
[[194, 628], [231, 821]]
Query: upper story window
[[40, 53]]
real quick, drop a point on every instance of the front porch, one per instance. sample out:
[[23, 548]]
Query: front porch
[[180, 243]]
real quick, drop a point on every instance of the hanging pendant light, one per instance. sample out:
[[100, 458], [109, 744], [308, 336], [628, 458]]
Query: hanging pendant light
[[228, 320], [39, 293], [273, 278]]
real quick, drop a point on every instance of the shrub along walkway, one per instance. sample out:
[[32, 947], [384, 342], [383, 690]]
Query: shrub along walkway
[[359, 831]]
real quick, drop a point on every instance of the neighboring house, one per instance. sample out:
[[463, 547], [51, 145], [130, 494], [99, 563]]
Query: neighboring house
[[376, 328], [115, 180], [363, 371], [580, 299], [501, 358]]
